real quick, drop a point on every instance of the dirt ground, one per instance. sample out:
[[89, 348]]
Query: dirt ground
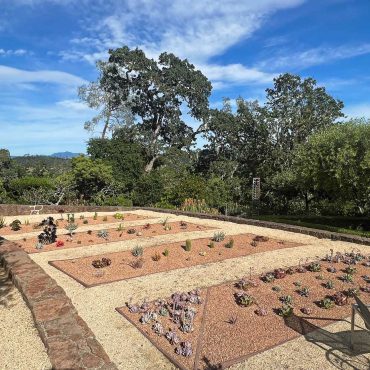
[[128, 349]]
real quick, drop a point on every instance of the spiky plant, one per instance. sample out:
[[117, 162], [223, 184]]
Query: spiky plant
[[285, 310], [137, 251], [327, 303], [314, 267], [104, 234], [219, 236]]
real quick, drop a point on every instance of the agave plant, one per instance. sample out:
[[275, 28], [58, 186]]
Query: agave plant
[[269, 277], [172, 337], [219, 236], [350, 270], [158, 328], [329, 284], [347, 278], [137, 251], [352, 292], [148, 316], [286, 299], [104, 234]]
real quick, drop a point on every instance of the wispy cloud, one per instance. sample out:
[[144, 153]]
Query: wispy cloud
[[312, 57], [359, 110], [198, 31], [14, 76], [11, 52]]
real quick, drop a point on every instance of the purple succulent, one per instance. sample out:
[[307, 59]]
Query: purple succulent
[[158, 328], [261, 311], [172, 337], [184, 349]]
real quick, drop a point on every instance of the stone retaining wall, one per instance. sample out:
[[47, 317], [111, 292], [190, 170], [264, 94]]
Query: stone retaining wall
[[69, 342]]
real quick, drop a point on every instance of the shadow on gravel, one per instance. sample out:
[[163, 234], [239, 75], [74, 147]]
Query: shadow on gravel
[[335, 345]]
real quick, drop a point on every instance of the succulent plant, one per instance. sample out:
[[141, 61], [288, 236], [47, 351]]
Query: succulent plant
[[314, 267], [366, 278], [276, 288], [137, 251], [230, 244], [100, 263], [184, 349], [172, 337], [290, 271], [137, 263], [297, 283], [261, 238], [147, 226], [329, 284], [286, 299], [211, 244], [232, 320], [104, 234], [148, 316], [187, 320], [158, 328], [244, 299], [366, 289], [166, 252], [366, 263], [156, 257], [340, 299], [306, 310], [187, 246], [183, 224], [350, 270], [71, 227], [332, 269], [285, 310], [269, 277], [254, 243], [350, 292], [95, 217], [347, 278], [119, 216], [120, 227], [320, 277], [131, 231], [2, 222], [219, 236], [279, 273], [261, 311], [327, 303], [15, 225], [39, 245], [85, 222], [304, 292]]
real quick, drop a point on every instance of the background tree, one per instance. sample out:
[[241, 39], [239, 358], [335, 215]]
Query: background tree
[[156, 93], [294, 110]]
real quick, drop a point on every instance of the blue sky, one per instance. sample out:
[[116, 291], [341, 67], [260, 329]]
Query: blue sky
[[49, 47]]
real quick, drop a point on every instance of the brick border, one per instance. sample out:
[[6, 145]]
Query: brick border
[[69, 342]]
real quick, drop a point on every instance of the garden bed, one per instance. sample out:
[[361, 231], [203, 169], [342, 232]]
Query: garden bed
[[224, 332], [79, 221], [112, 235], [164, 257]]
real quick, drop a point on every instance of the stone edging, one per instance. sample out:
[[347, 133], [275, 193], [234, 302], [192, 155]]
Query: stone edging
[[69, 342]]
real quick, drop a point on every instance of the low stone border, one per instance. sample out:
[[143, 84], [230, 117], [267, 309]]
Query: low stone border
[[69, 342]]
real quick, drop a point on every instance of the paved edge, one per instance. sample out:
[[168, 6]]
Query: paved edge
[[15, 209], [69, 342]]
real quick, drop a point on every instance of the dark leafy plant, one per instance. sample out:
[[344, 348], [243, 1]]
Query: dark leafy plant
[[347, 278], [304, 292], [261, 238], [156, 257], [329, 284], [254, 243], [15, 225], [350, 270], [137, 263], [104, 234], [211, 244], [290, 271], [100, 263], [85, 222], [230, 244], [286, 299], [332, 269], [276, 288], [166, 252], [279, 273], [350, 292], [131, 231], [269, 277]]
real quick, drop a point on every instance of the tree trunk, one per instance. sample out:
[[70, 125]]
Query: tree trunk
[[105, 128], [149, 166]]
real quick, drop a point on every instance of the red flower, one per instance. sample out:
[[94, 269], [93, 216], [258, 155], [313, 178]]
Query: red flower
[[60, 243]]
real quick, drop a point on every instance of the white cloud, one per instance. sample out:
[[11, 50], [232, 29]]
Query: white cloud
[[197, 30], [14, 76], [314, 56], [16, 52]]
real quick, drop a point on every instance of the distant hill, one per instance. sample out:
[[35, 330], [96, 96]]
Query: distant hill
[[42, 165], [65, 155]]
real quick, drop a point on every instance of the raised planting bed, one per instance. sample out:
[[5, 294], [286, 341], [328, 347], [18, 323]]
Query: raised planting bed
[[219, 326], [103, 236], [27, 227], [164, 257]]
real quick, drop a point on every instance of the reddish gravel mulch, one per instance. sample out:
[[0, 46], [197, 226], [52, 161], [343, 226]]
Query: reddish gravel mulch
[[86, 238], [32, 227], [81, 269], [219, 343]]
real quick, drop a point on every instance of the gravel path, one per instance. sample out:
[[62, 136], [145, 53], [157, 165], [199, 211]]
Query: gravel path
[[20, 345], [130, 350]]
